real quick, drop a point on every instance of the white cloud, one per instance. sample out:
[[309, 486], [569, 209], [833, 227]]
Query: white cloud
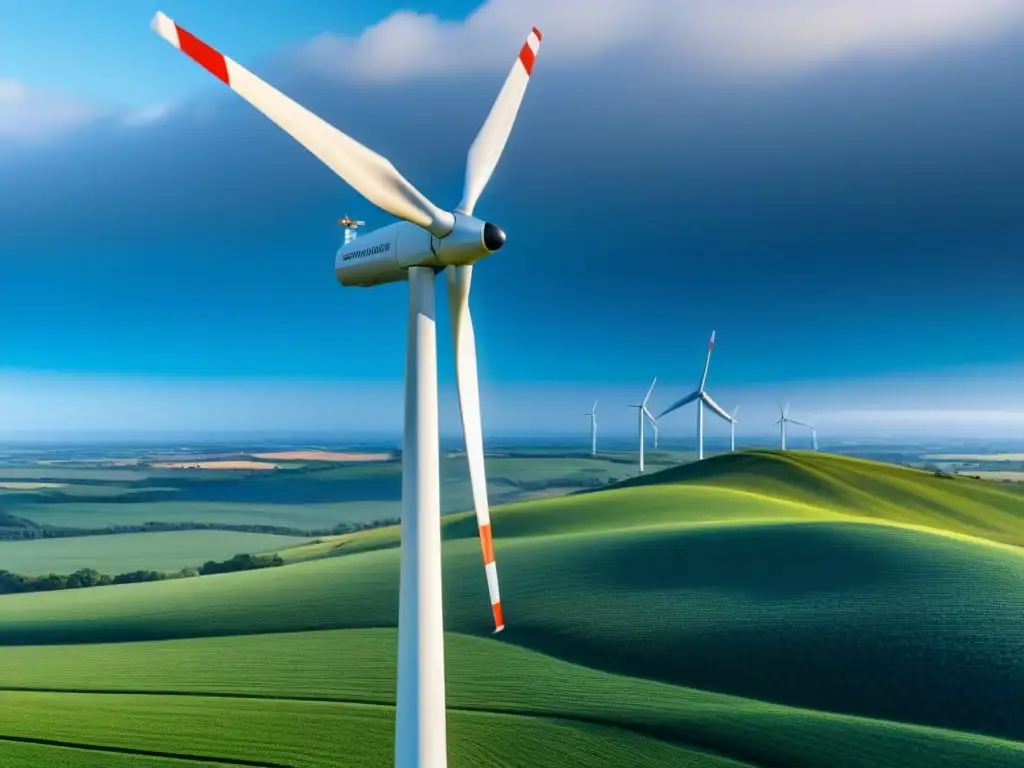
[[31, 116], [146, 115], [752, 36], [734, 37]]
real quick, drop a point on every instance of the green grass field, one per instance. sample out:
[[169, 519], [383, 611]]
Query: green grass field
[[758, 609], [166, 551]]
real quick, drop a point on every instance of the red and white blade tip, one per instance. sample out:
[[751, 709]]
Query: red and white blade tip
[[209, 59], [491, 569], [528, 53], [712, 342]]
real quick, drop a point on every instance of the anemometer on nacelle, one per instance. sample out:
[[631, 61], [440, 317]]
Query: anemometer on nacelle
[[350, 226]]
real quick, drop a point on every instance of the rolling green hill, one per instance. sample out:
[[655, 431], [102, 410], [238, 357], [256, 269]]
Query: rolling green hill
[[756, 609]]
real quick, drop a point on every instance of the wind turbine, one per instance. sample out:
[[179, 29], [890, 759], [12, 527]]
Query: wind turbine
[[428, 240], [702, 398], [732, 429], [783, 419], [593, 429], [642, 413]]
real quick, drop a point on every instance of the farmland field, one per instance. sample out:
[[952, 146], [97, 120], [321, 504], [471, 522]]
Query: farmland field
[[756, 609], [318, 495], [999, 476], [159, 551]]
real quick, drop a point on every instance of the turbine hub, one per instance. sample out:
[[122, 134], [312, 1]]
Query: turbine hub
[[494, 237]]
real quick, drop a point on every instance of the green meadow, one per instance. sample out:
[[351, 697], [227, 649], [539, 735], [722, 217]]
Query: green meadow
[[757, 609]]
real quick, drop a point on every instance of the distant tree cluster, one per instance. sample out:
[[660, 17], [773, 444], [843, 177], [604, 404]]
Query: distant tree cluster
[[353, 527], [241, 563], [15, 528], [13, 583]]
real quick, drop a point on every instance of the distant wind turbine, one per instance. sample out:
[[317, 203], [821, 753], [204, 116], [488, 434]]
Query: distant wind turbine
[[702, 398], [641, 413], [784, 420], [593, 429], [732, 429]]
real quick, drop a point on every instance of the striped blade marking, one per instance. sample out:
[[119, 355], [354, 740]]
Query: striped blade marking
[[490, 567], [372, 176], [490, 142]]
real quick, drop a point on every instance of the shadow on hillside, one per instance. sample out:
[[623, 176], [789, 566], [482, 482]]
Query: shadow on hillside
[[854, 618]]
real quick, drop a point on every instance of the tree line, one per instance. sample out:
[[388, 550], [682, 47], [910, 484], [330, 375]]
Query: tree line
[[13, 583], [19, 529]]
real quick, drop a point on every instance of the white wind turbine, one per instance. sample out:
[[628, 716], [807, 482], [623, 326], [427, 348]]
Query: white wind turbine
[[702, 398], [641, 414], [732, 429], [593, 429], [428, 240], [784, 420]]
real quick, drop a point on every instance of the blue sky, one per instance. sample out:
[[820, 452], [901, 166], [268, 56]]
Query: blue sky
[[835, 189]]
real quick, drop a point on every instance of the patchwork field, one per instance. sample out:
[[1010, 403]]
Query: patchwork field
[[974, 457], [1008, 476], [166, 551], [756, 609], [313, 496]]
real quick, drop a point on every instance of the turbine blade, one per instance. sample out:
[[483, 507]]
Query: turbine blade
[[680, 403], [369, 174], [490, 142], [715, 406], [459, 279], [707, 362], [649, 390], [650, 418]]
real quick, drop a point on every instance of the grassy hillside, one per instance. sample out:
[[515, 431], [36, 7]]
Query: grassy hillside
[[685, 619], [859, 487], [603, 719]]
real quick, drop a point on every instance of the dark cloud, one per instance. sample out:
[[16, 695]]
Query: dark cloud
[[842, 204]]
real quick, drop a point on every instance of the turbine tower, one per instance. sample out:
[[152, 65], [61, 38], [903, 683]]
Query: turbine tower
[[702, 398], [427, 240], [783, 420], [642, 413], [593, 429], [732, 429]]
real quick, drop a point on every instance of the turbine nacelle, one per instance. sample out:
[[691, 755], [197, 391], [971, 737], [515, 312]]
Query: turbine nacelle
[[386, 254]]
